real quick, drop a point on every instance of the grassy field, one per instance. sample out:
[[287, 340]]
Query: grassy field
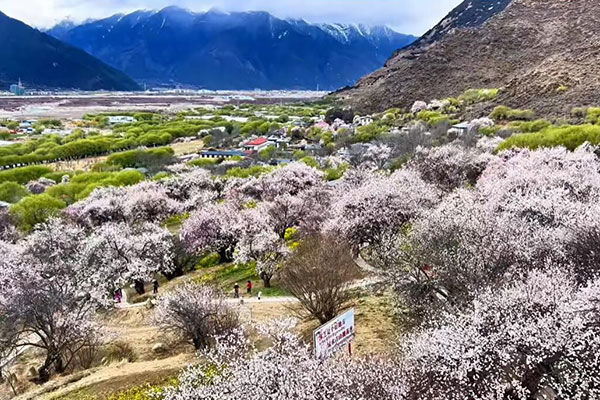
[[187, 147], [226, 276]]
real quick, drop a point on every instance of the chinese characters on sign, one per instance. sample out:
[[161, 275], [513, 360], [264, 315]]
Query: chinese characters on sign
[[334, 335]]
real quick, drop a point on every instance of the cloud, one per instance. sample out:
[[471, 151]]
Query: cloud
[[408, 16]]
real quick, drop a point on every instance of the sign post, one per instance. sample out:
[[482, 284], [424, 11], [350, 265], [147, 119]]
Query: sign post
[[335, 335]]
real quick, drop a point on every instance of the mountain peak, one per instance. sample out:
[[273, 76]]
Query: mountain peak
[[216, 11], [237, 50], [174, 10]]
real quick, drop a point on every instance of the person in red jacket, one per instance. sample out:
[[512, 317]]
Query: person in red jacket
[[249, 287]]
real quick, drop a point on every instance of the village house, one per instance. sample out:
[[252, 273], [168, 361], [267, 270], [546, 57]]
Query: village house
[[60, 132], [204, 132], [227, 118], [258, 144], [460, 129], [121, 119], [279, 139], [188, 157], [313, 147], [362, 121], [219, 154], [27, 124]]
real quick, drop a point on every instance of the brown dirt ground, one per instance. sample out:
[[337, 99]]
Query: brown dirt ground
[[375, 335], [187, 147]]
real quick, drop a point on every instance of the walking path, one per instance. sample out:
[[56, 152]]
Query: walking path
[[247, 300], [359, 284]]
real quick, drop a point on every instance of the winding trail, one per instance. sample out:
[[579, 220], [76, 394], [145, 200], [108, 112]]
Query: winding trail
[[375, 278]]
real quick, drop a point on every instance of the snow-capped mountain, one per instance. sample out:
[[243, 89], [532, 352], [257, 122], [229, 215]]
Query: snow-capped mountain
[[241, 50]]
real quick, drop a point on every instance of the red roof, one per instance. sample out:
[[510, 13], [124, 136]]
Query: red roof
[[257, 142]]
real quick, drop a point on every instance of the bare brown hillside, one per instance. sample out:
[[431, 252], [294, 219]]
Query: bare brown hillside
[[544, 53]]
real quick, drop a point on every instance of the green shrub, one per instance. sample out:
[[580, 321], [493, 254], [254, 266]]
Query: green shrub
[[291, 234], [268, 153], [366, 134], [571, 137], [433, 118], [203, 162], [161, 175], [490, 130], [24, 175], [209, 260], [154, 158], [310, 161], [243, 173], [504, 113], [83, 184], [333, 174], [57, 176], [33, 210], [12, 192], [592, 115], [299, 154], [473, 96], [531, 126], [143, 392]]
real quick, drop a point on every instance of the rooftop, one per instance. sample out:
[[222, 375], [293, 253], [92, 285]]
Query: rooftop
[[257, 142]]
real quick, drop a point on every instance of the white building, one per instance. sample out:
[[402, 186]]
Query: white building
[[362, 121], [258, 144], [60, 132], [279, 140], [121, 119]]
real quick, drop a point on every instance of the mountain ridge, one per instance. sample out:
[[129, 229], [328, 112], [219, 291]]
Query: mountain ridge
[[544, 55], [43, 61], [235, 50]]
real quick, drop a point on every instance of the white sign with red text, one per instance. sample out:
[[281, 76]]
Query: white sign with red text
[[334, 335]]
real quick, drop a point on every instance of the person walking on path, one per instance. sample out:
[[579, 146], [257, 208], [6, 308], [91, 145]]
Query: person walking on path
[[236, 290], [118, 295], [155, 286], [249, 287]]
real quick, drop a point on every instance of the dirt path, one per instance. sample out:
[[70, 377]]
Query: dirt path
[[246, 300]]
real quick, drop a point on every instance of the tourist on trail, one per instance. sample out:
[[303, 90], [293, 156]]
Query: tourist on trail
[[155, 286], [236, 290], [249, 287], [118, 295]]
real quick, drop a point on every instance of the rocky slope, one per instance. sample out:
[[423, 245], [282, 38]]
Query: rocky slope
[[544, 54], [44, 62], [217, 50]]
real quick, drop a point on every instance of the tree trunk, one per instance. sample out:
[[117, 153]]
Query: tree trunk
[[266, 279], [225, 255], [139, 287], [59, 365], [175, 273], [199, 342], [53, 358]]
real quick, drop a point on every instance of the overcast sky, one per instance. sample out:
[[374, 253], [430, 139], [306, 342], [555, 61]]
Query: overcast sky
[[407, 16]]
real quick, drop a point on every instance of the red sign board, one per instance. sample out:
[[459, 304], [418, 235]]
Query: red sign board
[[334, 335]]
